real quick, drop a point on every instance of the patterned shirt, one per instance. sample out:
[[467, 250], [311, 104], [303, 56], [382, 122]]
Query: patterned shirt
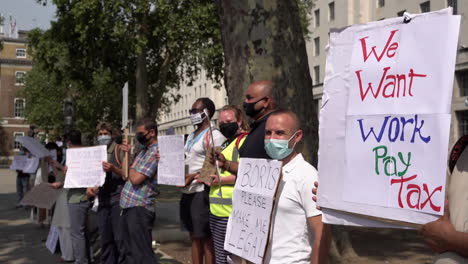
[[143, 194]]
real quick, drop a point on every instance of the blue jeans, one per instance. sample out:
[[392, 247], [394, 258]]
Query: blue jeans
[[22, 187], [79, 237]]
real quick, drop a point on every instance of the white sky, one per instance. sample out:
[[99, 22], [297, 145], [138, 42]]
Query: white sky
[[28, 13]]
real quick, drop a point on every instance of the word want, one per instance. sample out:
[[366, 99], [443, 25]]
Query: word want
[[395, 128], [414, 194], [390, 85]]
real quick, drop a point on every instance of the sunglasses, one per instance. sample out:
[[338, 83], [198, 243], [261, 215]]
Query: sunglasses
[[195, 110]]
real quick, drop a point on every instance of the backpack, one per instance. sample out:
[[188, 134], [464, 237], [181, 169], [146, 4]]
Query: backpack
[[457, 150]]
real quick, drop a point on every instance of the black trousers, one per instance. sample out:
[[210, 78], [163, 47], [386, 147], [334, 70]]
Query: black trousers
[[109, 231], [136, 226]]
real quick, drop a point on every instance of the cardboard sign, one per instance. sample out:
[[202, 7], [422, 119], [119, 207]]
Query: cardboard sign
[[249, 223], [171, 166], [208, 168], [85, 167], [41, 196], [34, 146], [385, 118]]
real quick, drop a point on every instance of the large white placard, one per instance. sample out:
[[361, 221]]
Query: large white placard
[[19, 162], [385, 119], [249, 222], [32, 163], [34, 146], [171, 166], [85, 167]]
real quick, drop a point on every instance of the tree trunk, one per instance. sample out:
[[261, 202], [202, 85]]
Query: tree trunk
[[263, 40], [141, 86]]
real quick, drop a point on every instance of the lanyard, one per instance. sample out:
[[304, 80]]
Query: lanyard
[[191, 141]]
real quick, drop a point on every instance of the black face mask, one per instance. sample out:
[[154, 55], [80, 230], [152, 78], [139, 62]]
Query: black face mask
[[229, 129], [249, 108], [142, 138]]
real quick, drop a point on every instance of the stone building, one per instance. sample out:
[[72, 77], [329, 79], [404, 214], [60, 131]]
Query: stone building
[[15, 62]]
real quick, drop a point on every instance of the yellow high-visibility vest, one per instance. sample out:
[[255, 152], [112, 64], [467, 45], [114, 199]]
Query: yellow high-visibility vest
[[222, 206]]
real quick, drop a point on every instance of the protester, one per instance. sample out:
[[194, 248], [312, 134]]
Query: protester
[[258, 104], [234, 127], [448, 236], [78, 206], [138, 196], [109, 196], [61, 217], [298, 235], [194, 205], [22, 182]]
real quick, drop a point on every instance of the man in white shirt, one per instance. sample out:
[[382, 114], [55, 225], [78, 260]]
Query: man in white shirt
[[194, 204], [298, 235]]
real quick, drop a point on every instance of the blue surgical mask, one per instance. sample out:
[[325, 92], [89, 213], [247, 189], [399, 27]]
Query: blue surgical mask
[[104, 140], [279, 148]]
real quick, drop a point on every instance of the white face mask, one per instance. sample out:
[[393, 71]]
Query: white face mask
[[197, 118], [104, 139]]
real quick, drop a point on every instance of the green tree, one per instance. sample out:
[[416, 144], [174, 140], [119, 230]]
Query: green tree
[[95, 46], [264, 40]]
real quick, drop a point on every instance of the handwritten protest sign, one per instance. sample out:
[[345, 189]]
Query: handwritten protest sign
[[249, 223], [171, 166], [85, 167], [208, 168], [385, 119], [34, 146], [41, 196], [18, 162], [52, 239]]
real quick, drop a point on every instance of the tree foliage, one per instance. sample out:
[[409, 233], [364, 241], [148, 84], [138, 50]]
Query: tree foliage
[[90, 51]]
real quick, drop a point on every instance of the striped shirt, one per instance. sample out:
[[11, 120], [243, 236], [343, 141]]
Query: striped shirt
[[143, 194]]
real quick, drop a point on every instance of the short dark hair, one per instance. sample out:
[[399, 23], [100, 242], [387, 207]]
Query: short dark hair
[[105, 126], [74, 137], [51, 145], [148, 123], [208, 104]]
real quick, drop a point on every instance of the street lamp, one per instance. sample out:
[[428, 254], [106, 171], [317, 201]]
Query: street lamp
[[68, 113]]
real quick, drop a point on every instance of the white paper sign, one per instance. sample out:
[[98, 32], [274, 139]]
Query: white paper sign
[[18, 162], [85, 167], [171, 166], [31, 165], [385, 119], [249, 222], [34, 146], [52, 238]]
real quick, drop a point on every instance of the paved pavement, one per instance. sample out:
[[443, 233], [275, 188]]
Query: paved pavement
[[22, 241]]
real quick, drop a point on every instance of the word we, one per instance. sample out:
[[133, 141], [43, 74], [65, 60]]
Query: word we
[[390, 85]]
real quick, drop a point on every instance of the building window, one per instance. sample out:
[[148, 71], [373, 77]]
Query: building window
[[21, 53], [462, 123], [316, 74], [19, 77], [316, 46], [331, 11], [380, 3], [317, 17], [453, 4], [19, 107], [462, 80], [16, 144], [425, 7], [401, 13]]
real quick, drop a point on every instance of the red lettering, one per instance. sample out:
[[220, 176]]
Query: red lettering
[[411, 75], [415, 189], [428, 200], [393, 46], [401, 180]]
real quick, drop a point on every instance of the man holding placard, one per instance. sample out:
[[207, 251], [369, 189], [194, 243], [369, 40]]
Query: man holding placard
[[298, 234], [138, 197], [109, 196]]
